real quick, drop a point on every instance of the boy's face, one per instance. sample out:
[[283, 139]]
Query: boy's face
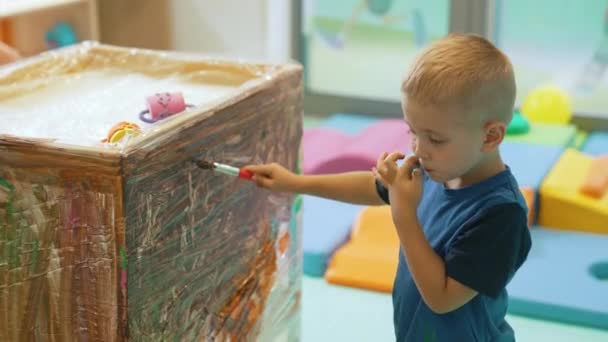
[[448, 142]]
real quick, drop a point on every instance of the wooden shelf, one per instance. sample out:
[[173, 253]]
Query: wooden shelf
[[24, 23], [12, 8]]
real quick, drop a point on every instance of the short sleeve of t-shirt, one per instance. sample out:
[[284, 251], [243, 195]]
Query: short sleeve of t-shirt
[[382, 192], [485, 255]]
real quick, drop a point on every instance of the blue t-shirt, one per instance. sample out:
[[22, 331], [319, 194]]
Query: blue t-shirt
[[481, 233]]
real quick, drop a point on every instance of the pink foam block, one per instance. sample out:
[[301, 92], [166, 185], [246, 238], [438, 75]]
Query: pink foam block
[[328, 150]]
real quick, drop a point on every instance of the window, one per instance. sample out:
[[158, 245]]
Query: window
[[559, 42], [361, 48]]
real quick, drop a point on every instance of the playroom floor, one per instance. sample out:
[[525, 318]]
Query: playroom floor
[[336, 313]]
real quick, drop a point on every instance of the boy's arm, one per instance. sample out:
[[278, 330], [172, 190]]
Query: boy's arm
[[357, 187], [353, 187], [481, 259], [441, 293]]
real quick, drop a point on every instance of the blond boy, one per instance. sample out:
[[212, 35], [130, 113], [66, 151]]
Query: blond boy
[[460, 217]]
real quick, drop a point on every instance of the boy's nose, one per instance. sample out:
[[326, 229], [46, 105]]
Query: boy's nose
[[418, 151]]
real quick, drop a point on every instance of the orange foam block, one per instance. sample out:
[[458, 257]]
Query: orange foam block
[[528, 194], [369, 259], [596, 182]]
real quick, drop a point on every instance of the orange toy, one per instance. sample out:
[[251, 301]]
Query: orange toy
[[596, 182], [369, 260], [120, 130]]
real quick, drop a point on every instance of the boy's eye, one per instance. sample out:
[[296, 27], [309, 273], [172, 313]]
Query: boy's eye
[[435, 141]]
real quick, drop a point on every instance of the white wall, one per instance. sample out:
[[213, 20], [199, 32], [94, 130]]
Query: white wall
[[238, 28]]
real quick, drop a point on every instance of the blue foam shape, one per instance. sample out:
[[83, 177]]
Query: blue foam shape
[[596, 144], [530, 163], [326, 226], [556, 281], [349, 123]]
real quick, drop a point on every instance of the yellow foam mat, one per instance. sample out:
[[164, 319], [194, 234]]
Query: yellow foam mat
[[563, 205]]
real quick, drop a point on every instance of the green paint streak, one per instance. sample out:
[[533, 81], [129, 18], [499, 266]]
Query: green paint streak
[[297, 204], [13, 233], [6, 184], [123, 258]]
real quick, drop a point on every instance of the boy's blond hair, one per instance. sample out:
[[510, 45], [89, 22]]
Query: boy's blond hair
[[463, 70]]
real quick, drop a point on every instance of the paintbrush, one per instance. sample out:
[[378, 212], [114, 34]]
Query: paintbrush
[[223, 168]]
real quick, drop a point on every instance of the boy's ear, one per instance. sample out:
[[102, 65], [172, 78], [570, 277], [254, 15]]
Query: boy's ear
[[494, 133]]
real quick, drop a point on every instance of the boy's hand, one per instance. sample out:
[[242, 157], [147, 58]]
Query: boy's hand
[[273, 177], [386, 168], [404, 185]]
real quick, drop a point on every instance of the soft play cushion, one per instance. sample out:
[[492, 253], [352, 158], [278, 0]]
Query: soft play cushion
[[519, 124], [561, 279], [529, 163], [546, 134], [596, 143], [530, 197], [349, 123], [563, 205], [326, 226], [327, 150], [369, 259], [595, 183]]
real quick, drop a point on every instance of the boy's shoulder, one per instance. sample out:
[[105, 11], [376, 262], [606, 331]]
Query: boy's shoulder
[[500, 189]]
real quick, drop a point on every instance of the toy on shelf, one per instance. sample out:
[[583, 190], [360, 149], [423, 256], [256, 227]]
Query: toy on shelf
[[60, 35], [163, 105], [548, 104]]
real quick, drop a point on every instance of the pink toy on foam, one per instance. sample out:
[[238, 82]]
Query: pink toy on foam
[[328, 150], [163, 105]]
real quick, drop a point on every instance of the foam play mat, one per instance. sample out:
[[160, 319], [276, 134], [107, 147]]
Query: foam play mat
[[349, 123], [328, 150], [546, 134], [563, 279], [326, 226], [530, 163], [369, 259], [596, 143]]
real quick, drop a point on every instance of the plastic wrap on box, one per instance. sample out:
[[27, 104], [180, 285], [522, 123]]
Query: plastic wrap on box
[[129, 240]]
